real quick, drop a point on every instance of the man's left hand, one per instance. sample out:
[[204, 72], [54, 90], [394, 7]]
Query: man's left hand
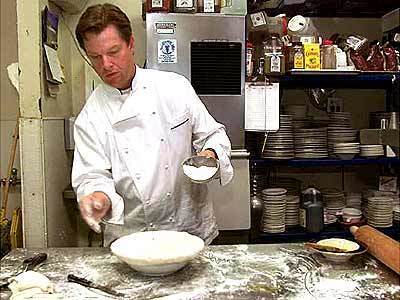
[[207, 153]]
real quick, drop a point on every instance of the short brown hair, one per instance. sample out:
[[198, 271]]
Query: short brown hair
[[97, 17]]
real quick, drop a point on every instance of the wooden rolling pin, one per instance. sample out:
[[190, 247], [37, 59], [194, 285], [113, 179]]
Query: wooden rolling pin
[[382, 247]]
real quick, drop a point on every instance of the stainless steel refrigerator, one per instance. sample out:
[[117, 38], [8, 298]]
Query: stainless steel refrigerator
[[209, 50]]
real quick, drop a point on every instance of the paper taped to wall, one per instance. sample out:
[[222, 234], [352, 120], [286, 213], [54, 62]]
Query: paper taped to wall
[[13, 75]]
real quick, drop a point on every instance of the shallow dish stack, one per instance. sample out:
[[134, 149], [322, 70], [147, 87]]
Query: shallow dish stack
[[380, 211], [311, 143], [340, 135], [334, 201], [340, 119], [371, 150], [279, 145], [292, 210], [274, 204], [346, 150]]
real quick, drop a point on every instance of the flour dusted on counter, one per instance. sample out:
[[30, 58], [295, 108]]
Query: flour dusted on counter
[[199, 173]]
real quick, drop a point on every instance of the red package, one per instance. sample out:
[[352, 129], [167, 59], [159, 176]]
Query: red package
[[358, 60], [390, 58], [375, 60]]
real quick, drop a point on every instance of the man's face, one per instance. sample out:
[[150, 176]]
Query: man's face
[[111, 57]]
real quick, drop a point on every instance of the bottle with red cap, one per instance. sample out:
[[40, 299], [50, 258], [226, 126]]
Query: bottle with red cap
[[328, 55]]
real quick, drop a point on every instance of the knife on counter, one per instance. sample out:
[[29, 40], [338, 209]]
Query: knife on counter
[[91, 284]]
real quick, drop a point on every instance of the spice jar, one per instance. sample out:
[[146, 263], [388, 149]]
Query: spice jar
[[208, 6], [185, 6], [274, 59], [298, 59], [158, 5], [328, 55], [249, 59]]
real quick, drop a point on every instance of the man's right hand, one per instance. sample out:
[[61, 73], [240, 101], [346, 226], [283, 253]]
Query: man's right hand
[[93, 207]]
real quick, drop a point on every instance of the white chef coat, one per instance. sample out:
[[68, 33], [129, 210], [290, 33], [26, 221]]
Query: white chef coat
[[131, 148]]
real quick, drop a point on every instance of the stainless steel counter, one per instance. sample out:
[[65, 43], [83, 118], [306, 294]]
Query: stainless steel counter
[[273, 271]]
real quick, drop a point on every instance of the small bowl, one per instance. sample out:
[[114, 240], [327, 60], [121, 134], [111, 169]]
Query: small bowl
[[341, 257], [199, 162], [157, 253], [351, 215]]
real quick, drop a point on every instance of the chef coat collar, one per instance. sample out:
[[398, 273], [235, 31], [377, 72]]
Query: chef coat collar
[[114, 92]]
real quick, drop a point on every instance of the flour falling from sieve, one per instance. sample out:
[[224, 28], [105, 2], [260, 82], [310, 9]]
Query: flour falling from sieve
[[199, 173]]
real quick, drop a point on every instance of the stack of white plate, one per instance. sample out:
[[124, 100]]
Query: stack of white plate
[[340, 135], [396, 212], [380, 211], [274, 204], [279, 145], [372, 150], [346, 150], [292, 210], [334, 201], [311, 143], [353, 200], [306, 122], [340, 119]]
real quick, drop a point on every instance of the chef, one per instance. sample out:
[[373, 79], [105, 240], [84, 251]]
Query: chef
[[133, 134]]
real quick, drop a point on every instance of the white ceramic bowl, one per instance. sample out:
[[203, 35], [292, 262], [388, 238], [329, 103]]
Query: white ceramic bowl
[[157, 253], [352, 247], [351, 214], [200, 169]]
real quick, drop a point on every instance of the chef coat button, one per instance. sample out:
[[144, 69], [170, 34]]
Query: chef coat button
[[126, 151], [162, 140], [171, 219], [153, 113], [151, 225], [168, 194], [148, 202], [166, 167], [137, 176]]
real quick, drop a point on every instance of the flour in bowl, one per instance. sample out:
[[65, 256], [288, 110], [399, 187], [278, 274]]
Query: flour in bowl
[[199, 173]]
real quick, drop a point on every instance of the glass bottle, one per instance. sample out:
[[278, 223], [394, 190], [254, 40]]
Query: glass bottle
[[298, 59], [208, 6], [185, 6], [249, 59], [274, 59], [158, 5]]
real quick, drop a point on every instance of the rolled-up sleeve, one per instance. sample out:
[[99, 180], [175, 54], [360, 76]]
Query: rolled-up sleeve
[[208, 133], [91, 169]]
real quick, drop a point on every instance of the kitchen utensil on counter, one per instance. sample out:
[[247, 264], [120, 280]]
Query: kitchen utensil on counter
[[27, 264], [91, 284], [201, 169], [157, 253], [382, 247]]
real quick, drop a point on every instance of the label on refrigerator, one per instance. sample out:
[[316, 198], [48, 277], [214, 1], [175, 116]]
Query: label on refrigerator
[[209, 6], [167, 52], [156, 3], [165, 27], [302, 217]]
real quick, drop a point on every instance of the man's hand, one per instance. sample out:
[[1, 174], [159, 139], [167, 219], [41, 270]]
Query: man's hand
[[207, 153], [93, 207]]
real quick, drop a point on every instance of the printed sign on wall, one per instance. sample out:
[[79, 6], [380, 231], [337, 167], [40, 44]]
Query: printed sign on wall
[[167, 52]]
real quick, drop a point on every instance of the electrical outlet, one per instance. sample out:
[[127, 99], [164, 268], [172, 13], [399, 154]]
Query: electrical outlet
[[335, 105]]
